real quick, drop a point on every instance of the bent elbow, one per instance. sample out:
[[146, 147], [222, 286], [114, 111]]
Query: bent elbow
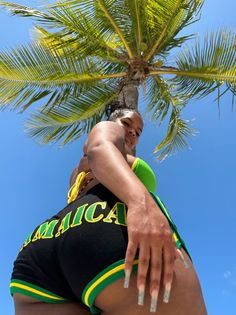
[[94, 150]]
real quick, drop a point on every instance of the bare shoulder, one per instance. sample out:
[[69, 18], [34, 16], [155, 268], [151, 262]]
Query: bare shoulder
[[130, 159], [106, 126], [105, 131]]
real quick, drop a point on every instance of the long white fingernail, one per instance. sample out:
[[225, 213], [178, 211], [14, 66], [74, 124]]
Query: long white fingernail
[[166, 295], [127, 277], [186, 265], [141, 292], [153, 306]]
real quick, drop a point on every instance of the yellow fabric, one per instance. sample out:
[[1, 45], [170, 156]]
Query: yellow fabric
[[103, 278], [74, 190], [27, 288]]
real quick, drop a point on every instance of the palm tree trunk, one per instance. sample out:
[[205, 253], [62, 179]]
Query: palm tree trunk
[[128, 96]]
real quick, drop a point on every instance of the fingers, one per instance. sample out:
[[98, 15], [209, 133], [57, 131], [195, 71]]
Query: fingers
[[155, 276], [168, 259], [129, 260], [181, 256], [158, 256], [143, 265]]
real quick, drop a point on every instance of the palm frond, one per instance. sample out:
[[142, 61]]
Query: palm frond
[[83, 49], [72, 119], [115, 28], [138, 31], [204, 69], [25, 11], [165, 20], [74, 26], [89, 35], [175, 140], [28, 74], [77, 48], [232, 87], [136, 9], [93, 21], [162, 96], [123, 19], [104, 6]]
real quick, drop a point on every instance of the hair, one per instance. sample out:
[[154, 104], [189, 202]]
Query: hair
[[114, 111]]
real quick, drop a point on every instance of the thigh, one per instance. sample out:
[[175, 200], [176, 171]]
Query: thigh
[[186, 296], [25, 305]]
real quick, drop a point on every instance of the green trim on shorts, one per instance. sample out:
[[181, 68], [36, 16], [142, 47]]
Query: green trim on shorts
[[102, 280], [179, 242], [116, 270], [34, 291]]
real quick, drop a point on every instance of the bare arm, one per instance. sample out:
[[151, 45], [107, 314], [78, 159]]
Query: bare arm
[[148, 228], [106, 157]]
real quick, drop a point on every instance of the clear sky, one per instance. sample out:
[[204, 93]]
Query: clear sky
[[198, 186]]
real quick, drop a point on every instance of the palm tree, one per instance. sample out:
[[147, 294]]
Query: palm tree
[[89, 54]]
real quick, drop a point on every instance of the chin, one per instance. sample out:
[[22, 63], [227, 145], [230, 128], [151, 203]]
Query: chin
[[128, 149]]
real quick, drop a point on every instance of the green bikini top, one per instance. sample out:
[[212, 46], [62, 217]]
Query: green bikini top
[[141, 169], [144, 172]]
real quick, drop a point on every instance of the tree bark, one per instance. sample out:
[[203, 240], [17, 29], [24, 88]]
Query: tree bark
[[128, 96]]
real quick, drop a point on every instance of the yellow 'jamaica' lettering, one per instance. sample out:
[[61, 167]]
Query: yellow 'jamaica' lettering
[[77, 220], [26, 242], [118, 212], [89, 214], [45, 230], [65, 224], [116, 215], [50, 229]]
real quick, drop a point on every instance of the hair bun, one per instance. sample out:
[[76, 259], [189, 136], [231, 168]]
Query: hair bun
[[112, 107]]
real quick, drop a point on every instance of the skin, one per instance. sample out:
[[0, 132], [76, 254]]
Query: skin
[[159, 265], [148, 228]]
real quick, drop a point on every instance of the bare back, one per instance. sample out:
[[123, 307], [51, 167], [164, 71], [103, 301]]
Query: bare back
[[112, 133]]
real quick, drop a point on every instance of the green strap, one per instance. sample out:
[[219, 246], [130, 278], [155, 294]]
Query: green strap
[[173, 227]]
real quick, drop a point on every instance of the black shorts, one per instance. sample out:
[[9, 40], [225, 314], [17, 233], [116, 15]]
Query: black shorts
[[78, 252]]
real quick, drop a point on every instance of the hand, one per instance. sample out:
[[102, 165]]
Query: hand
[[149, 231]]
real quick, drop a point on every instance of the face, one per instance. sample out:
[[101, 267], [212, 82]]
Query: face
[[133, 125]]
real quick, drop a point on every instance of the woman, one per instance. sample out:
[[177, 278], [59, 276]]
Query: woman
[[77, 259]]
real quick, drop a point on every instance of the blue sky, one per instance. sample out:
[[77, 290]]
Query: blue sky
[[198, 185]]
